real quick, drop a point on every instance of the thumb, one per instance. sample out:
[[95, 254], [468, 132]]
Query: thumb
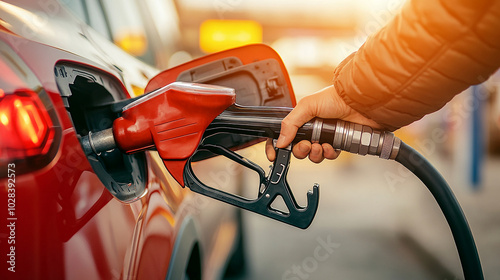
[[301, 114]]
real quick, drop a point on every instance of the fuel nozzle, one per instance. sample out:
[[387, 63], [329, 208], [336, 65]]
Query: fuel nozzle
[[266, 122], [177, 119]]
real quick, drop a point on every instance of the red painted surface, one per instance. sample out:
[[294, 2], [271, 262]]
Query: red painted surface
[[66, 225]]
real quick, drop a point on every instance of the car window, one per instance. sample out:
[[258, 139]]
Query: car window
[[146, 29], [165, 19], [120, 21], [97, 18], [90, 12], [77, 7], [127, 28]]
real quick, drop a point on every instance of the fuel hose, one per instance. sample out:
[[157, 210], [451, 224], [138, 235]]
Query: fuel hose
[[467, 251], [362, 140]]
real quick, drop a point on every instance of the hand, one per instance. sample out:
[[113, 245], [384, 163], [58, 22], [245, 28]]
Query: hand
[[326, 104]]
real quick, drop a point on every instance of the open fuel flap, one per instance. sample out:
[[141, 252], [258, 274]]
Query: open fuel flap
[[93, 101]]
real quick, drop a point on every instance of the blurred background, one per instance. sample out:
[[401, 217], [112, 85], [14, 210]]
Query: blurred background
[[375, 220]]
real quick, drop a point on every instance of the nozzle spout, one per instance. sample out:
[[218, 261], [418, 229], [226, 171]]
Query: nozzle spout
[[98, 142]]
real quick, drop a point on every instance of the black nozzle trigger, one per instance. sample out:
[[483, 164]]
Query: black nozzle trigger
[[275, 185]]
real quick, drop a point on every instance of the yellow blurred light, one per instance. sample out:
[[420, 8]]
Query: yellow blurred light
[[218, 35], [137, 90], [135, 43]]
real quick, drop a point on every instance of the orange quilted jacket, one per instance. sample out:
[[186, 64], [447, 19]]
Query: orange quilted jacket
[[431, 51]]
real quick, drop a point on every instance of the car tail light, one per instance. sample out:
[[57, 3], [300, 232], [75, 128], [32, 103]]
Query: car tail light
[[26, 129]]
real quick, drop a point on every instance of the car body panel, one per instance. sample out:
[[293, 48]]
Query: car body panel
[[68, 225]]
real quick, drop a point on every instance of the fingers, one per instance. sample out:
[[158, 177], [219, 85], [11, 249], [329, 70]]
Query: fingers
[[302, 149], [270, 152], [322, 104], [329, 152], [316, 152], [291, 123]]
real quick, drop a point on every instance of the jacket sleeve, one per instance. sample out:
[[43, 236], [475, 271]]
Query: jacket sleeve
[[428, 53]]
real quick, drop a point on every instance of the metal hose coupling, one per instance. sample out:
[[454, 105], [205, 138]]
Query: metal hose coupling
[[356, 138]]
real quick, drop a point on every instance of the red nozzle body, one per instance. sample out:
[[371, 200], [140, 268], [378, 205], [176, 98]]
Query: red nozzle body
[[172, 119]]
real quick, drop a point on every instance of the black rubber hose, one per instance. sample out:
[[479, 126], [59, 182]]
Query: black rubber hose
[[418, 165]]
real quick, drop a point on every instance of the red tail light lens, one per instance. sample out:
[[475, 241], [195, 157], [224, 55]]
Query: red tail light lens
[[26, 128]]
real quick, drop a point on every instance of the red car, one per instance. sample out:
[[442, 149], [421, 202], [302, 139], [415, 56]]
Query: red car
[[68, 216]]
